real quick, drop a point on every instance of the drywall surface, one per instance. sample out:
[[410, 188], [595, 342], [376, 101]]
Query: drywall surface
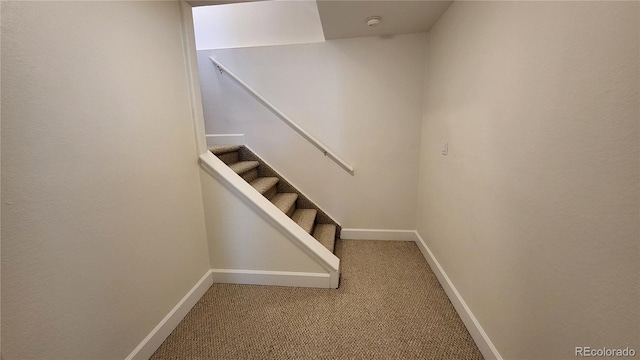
[[534, 212], [103, 229], [258, 23], [361, 97], [240, 238]]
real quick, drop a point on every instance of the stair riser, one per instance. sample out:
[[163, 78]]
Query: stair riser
[[291, 210], [269, 194], [306, 219], [325, 234], [229, 158], [250, 175]]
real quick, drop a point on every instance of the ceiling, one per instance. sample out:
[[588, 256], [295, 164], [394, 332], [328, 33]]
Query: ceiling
[[346, 18]]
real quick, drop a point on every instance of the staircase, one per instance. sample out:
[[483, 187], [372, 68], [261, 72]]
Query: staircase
[[280, 192]]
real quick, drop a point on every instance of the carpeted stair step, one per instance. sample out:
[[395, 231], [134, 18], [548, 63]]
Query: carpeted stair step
[[247, 169], [223, 149], [266, 186], [286, 202], [227, 153], [326, 235], [305, 218]]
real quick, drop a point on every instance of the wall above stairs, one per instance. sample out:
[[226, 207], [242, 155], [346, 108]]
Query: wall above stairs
[[365, 104]]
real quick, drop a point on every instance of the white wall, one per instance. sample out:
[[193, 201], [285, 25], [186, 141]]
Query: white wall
[[102, 217], [257, 24], [361, 97], [534, 212]]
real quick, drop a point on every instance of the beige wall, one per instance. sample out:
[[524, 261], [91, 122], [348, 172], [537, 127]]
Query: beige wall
[[534, 213], [361, 97], [102, 217]]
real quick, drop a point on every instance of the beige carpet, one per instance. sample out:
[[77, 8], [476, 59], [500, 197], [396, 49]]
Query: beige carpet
[[389, 306]]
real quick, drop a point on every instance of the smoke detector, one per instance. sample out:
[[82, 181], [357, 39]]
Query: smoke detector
[[373, 20]]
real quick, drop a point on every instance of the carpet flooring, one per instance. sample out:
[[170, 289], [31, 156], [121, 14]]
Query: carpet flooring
[[389, 306]]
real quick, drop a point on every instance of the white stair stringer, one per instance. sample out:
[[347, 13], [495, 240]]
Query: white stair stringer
[[315, 255]]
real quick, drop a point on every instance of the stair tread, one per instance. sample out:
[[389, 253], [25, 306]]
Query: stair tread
[[326, 235], [284, 201], [222, 149], [305, 218], [262, 184], [243, 166]]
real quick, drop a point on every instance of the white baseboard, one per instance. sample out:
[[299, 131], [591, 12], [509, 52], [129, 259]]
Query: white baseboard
[[378, 234], [225, 139], [478, 334], [277, 278], [152, 342]]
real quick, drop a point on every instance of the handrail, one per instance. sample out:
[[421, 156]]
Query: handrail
[[286, 119]]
